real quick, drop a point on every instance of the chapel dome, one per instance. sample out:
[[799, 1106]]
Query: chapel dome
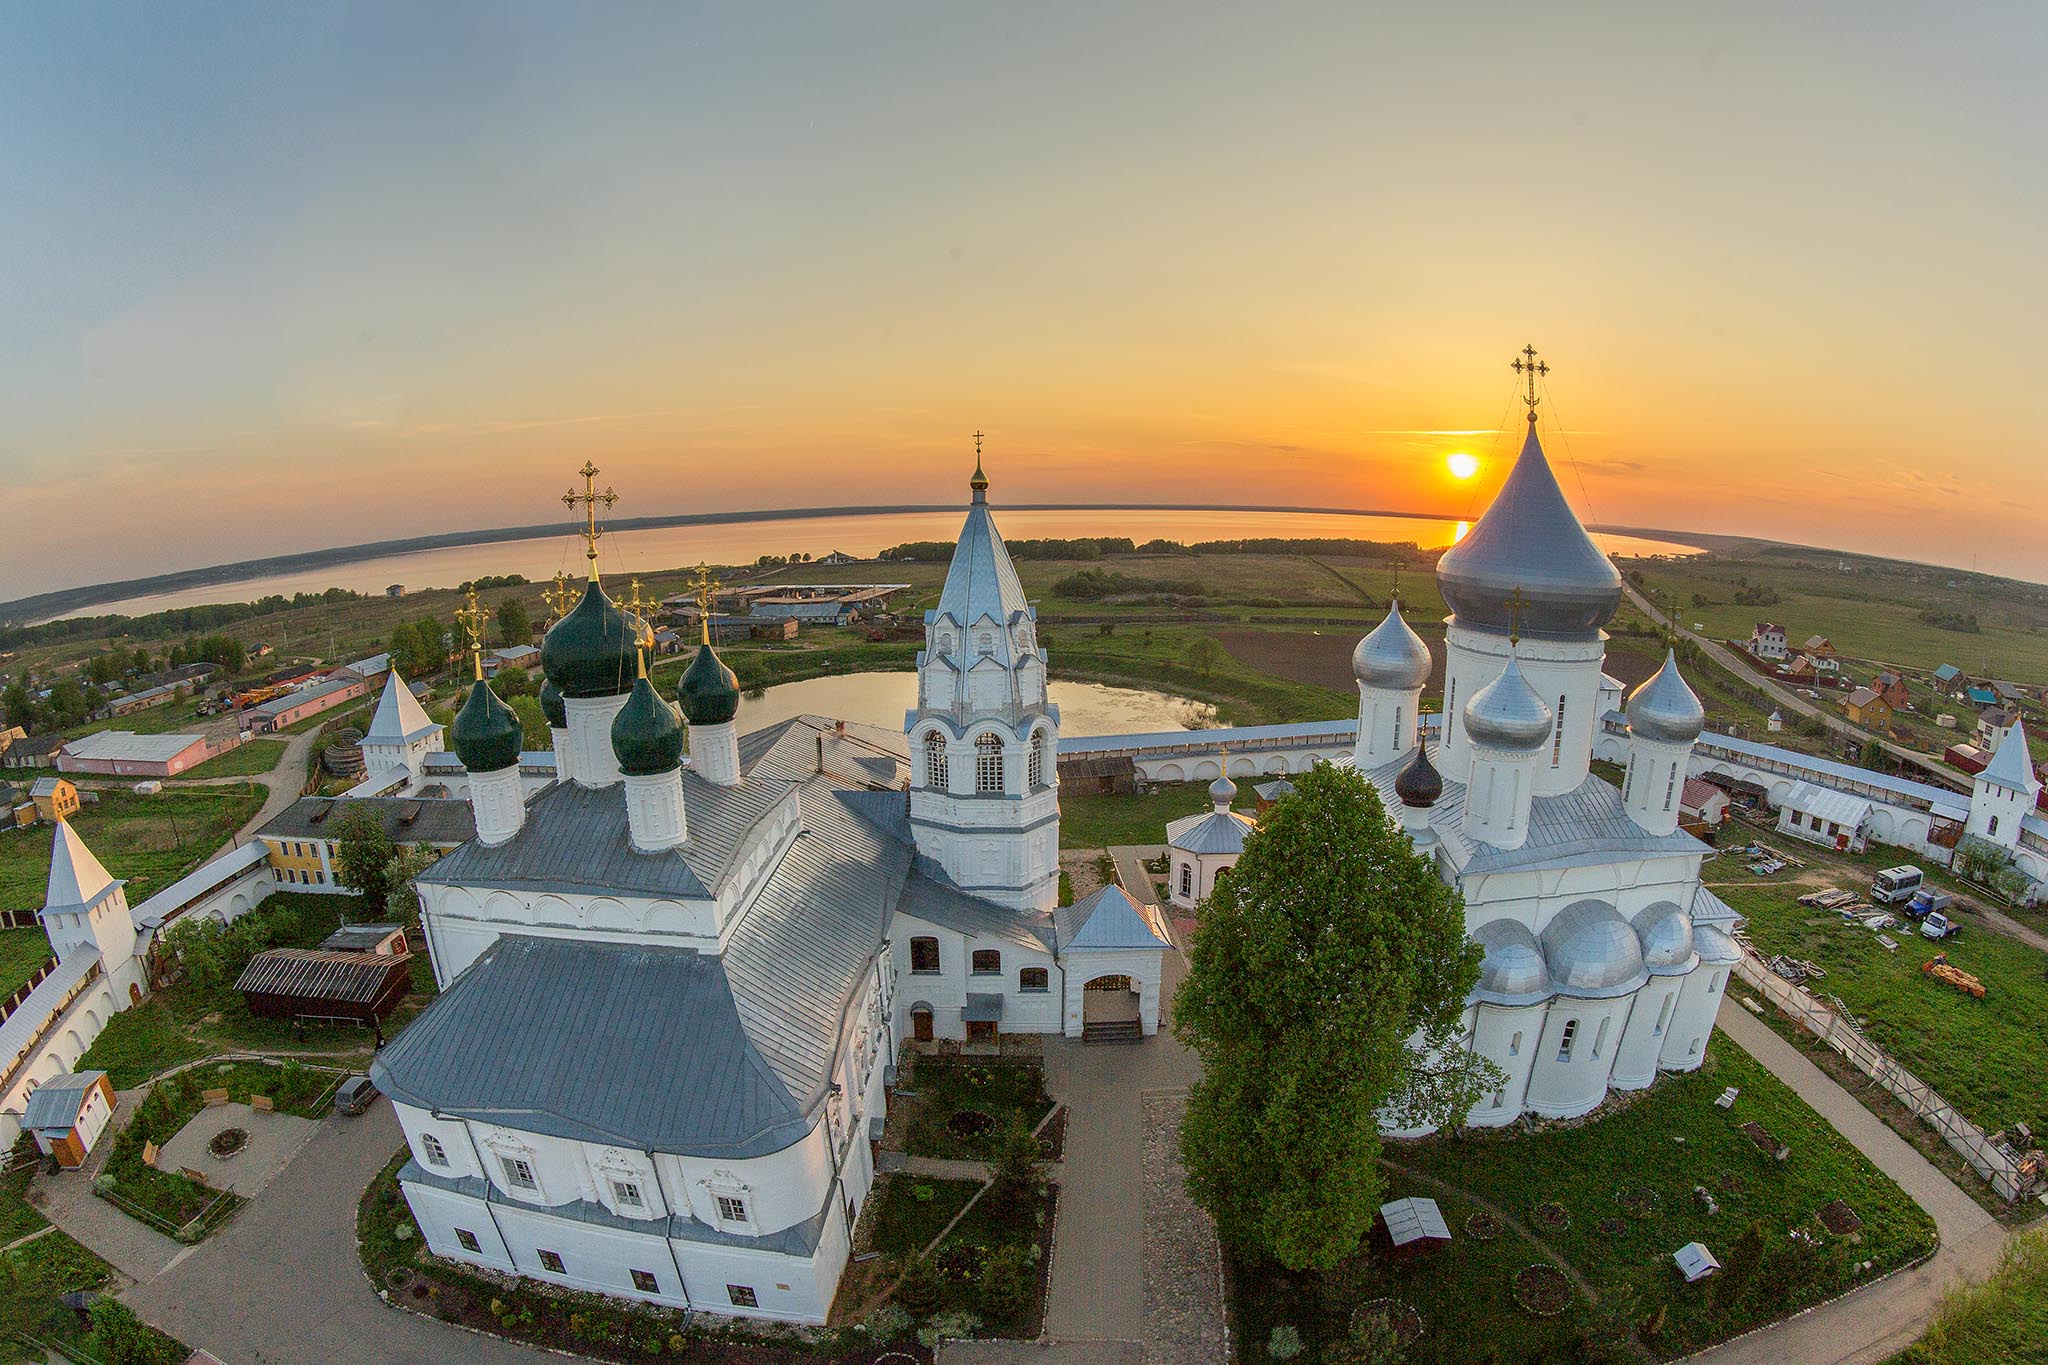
[[1419, 784], [1391, 656], [551, 704], [594, 650], [1507, 713], [486, 734], [709, 693], [646, 736], [1664, 709], [1665, 932], [1513, 971], [1529, 539], [1714, 945], [1592, 951], [1222, 791]]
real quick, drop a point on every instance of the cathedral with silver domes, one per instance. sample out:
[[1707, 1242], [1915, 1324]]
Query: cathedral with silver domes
[[1605, 958]]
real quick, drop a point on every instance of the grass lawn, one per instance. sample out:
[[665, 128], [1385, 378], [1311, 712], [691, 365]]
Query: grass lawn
[[948, 1086], [2000, 1322], [1984, 1056], [149, 840], [906, 1212], [1094, 820], [1668, 1141], [255, 757], [21, 952], [54, 1264]]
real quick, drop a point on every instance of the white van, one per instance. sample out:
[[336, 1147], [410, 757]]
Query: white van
[[1895, 884]]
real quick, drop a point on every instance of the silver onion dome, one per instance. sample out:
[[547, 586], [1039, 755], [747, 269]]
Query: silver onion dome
[[1513, 971], [1530, 539], [1665, 932], [1391, 656], [1715, 946], [1507, 713], [1592, 951], [1222, 791], [1664, 709]]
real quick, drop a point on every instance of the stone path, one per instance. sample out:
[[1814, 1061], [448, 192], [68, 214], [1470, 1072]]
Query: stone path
[[1184, 1313], [273, 1140], [1875, 1322], [136, 1250]]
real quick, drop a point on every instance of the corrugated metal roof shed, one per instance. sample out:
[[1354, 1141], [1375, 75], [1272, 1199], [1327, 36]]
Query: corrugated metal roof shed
[[316, 975], [1843, 808]]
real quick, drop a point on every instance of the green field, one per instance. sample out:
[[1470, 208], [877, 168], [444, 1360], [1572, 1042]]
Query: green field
[[2002, 1321], [1091, 820], [1665, 1141], [149, 840], [1872, 613], [252, 759], [21, 952], [1983, 1056]]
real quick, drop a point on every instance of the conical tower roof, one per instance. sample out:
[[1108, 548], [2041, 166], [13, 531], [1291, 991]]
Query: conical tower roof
[[399, 718], [1532, 540], [77, 878], [2012, 766], [981, 582]]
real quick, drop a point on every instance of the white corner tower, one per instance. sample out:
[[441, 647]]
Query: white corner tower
[[1664, 719], [1391, 665], [85, 909], [984, 740], [1528, 560], [400, 732], [2005, 792]]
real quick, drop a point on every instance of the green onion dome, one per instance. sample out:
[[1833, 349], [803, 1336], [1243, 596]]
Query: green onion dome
[[646, 736], [709, 693], [551, 705], [592, 651], [487, 733]]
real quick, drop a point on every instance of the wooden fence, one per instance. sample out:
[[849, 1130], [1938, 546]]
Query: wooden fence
[[1995, 1163]]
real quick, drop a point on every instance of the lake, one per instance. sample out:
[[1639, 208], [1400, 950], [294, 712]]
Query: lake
[[882, 698], [741, 542]]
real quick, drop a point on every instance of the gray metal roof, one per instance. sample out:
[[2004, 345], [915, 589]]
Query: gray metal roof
[[1512, 972], [1391, 656], [1715, 946], [1592, 952], [317, 974], [53, 1106], [1529, 539], [407, 819], [277, 706], [981, 582], [1664, 709], [1210, 832], [19, 1029], [576, 838], [927, 897], [1665, 931], [1108, 919], [983, 1009], [2012, 766], [1414, 1219], [1507, 713]]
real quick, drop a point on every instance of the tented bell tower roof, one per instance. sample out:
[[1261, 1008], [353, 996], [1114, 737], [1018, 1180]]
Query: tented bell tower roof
[[77, 878]]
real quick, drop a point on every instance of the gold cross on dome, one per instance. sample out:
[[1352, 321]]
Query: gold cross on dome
[[638, 605], [1394, 568], [559, 598], [473, 618], [590, 498], [1528, 365], [1515, 603], [705, 589]]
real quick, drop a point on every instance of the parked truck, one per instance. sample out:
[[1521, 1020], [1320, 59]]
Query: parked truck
[[1938, 926], [1926, 901]]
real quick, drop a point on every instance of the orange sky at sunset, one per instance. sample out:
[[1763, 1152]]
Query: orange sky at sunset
[[379, 273]]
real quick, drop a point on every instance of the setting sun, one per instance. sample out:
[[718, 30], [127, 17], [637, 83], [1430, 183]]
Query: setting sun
[[1461, 465]]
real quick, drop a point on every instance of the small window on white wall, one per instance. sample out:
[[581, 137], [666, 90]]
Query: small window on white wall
[[436, 1154], [518, 1173], [1187, 879], [627, 1193], [732, 1208], [1564, 1044], [1515, 1044]]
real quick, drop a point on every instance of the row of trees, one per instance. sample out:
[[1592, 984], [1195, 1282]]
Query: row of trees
[[1086, 549], [163, 625]]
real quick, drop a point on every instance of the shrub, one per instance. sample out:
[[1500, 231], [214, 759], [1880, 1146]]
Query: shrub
[[919, 1290], [1284, 1343], [1008, 1284], [887, 1324], [948, 1326], [1016, 1170]]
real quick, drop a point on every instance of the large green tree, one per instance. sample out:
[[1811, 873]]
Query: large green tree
[[1326, 992], [515, 627], [363, 855]]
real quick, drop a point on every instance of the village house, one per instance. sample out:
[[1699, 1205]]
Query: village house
[[55, 798], [1821, 650], [1892, 688], [1767, 642], [1867, 707]]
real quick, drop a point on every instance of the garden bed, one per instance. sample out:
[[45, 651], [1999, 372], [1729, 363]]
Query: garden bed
[[950, 1097]]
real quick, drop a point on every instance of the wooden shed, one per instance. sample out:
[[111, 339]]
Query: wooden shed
[[1414, 1227], [67, 1114], [321, 986]]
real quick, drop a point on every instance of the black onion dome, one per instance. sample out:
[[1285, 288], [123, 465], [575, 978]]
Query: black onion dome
[[1529, 539], [551, 705], [593, 651], [646, 736], [709, 693], [1419, 784], [487, 733]]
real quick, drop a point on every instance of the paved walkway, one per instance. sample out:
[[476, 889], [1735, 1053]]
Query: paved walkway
[[66, 1199], [1881, 1319], [282, 1283]]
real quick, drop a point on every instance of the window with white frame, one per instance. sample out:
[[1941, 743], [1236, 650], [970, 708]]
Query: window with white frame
[[627, 1193], [431, 1148], [518, 1173], [935, 760], [732, 1208], [1187, 879], [1035, 766], [988, 763], [1557, 735], [1564, 1044]]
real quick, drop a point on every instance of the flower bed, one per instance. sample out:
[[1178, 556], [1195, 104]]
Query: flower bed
[[1542, 1290], [227, 1142], [1639, 1200], [1483, 1227], [1401, 1317], [970, 1125], [1551, 1216], [939, 1088]]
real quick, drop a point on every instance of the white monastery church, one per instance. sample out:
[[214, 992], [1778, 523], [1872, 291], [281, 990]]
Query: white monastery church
[[671, 994], [1606, 959]]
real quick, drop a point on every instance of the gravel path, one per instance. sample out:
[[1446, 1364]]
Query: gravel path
[[1183, 1263]]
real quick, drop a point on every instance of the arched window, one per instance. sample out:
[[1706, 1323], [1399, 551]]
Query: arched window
[[1035, 767], [1515, 1044], [986, 643], [1663, 1015], [1564, 1044], [987, 962], [945, 642], [988, 763], [1187, 879], [924, 956], [1992, 830], [1600, 1038], [1033, 979], [935, 760]]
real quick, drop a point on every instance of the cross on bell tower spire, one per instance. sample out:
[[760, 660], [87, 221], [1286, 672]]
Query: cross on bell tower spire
[[1528, 365], [979, 483], [590, 498]]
